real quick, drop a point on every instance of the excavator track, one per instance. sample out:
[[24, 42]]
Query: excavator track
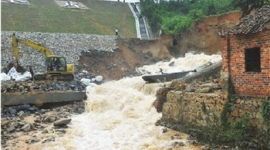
[[55, 77]]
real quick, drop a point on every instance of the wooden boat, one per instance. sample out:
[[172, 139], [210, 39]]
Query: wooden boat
[[166, 76]]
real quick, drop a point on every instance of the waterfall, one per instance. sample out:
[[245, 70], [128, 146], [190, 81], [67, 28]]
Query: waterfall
[[120, 114]]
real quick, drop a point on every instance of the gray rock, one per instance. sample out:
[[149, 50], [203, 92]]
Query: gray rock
[[61, 130], [177, 144], [49, 119], [5, 133], [49, 140], [26, 127], [34, 140], [205, 147], [44, 131], [176, 136], [12, 111], [4, 123], [11, 128], [15, 135], [24, 107], [22, 123], [15, 124], [164, 130], [20, 113], [62, 122], [204, 90], [33, 108], [80, 110], [43, 111], [190, 88]]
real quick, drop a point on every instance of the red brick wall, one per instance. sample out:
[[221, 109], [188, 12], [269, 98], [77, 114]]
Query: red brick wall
[[248, 83]]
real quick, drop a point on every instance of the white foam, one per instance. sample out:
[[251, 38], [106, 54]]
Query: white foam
[[120, 114], [186, 63]]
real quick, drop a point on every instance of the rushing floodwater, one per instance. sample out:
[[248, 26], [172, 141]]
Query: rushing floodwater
[[120, 115]]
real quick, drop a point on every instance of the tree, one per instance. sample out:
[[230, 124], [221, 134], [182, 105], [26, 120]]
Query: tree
[[175, 16], [247, 6]]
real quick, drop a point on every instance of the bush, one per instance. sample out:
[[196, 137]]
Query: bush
[[177, 16], [176, 24]]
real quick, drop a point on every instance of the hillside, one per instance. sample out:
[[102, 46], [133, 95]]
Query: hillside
[[101, 17]]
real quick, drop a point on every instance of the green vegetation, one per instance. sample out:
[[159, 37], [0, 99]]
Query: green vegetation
[[204, 109], [237, 132], [248, 5], [175, 16], [266, 111], [46, 16], [180, 100], [228, 108]]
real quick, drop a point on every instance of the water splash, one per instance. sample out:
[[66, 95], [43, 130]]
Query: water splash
[[120, 114]]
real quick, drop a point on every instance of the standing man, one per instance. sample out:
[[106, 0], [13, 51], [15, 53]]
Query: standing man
[[116, 32]]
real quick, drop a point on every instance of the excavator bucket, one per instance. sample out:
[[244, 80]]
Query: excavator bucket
[[20, 69]]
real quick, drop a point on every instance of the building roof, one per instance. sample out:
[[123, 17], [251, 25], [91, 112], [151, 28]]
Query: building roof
[[253, 23]]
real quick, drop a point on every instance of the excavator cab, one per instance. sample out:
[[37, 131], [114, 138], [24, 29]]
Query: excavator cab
[[57, 67], [57, 64]]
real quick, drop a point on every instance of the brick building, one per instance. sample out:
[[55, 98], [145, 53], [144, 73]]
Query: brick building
[[246, 57]]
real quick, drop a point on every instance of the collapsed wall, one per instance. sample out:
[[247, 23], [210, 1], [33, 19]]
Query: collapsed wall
[[205, 110], [68, 45]]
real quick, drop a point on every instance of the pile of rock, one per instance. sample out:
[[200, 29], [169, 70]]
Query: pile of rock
[[44, 86], [77, 85], [34, 123]]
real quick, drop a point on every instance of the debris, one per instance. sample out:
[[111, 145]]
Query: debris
[[26, 127], [62, 122]]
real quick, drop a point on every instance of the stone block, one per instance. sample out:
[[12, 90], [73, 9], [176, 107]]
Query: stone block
[[171, 111], [175, 97]]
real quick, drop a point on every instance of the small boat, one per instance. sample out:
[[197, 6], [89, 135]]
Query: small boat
[[166, 76]]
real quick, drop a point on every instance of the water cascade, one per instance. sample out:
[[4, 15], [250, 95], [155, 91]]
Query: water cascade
[[120, 114]]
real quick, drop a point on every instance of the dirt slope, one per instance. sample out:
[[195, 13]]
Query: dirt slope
[[204, 36], [133, 53]]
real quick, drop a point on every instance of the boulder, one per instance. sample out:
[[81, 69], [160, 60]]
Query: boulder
[[61, 122]]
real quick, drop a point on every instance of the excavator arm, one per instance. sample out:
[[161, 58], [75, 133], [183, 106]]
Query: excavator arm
[[15, 47], [29, 43]]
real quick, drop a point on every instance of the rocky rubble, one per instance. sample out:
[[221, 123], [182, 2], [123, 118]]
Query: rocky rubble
[[32, 124], [11, 86], [40, 86]]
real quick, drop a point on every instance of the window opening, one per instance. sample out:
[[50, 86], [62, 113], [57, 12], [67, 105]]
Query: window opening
[[253, 59]]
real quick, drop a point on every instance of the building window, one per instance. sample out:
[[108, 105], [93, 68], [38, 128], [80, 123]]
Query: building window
[[253, 59]]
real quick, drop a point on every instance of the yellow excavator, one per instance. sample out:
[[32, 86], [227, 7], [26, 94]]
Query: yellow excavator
[[57, 67]]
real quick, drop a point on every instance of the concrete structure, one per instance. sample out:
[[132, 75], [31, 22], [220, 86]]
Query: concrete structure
[[9, 99], [246, 57], [22, 2], [71, 4], [141, 24]]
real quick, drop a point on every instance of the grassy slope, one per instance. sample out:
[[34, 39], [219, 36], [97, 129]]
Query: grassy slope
[[46, 16]]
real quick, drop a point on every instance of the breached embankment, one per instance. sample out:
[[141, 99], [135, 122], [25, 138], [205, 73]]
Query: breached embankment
[[121, 109]]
